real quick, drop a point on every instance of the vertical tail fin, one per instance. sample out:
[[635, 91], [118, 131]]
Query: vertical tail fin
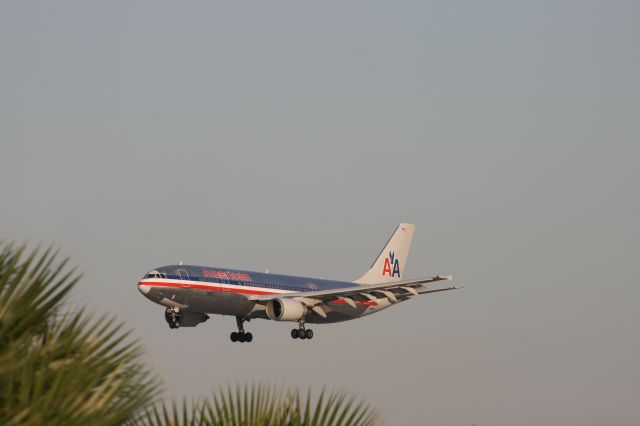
[[389, 266]]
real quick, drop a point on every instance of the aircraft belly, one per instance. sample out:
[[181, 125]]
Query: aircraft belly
[[209, 302]]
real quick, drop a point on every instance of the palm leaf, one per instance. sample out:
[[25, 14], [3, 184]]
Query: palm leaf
[[58, 366], [263, 405]]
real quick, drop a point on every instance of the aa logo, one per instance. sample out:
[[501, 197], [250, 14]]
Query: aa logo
[[391, 266]]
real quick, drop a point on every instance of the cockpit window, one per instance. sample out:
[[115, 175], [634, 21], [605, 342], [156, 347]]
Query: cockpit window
[[155, 274]]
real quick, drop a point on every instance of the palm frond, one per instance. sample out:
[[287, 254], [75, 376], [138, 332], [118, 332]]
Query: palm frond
[[58, 366], [263, 405]]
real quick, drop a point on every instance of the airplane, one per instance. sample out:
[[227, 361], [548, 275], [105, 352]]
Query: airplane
[[189, 293]]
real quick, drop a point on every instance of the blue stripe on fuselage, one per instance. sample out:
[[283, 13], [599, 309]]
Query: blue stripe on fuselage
[[258, 279]]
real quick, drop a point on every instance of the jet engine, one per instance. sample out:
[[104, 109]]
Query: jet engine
[[285, 310]]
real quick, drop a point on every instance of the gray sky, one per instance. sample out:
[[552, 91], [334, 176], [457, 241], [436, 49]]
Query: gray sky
[[295, 136]]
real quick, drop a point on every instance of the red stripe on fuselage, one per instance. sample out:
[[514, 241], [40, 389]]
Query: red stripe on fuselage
[[206, 287]]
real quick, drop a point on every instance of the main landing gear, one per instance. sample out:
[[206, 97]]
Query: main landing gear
[[301, 333], [241, 336]]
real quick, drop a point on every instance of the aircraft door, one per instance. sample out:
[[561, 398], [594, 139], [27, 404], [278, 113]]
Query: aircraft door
[[184, 275]]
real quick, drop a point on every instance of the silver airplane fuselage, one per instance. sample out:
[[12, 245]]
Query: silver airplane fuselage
[[219, 291]]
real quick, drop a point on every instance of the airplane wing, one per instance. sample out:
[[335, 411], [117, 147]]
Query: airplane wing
[[394, 291]]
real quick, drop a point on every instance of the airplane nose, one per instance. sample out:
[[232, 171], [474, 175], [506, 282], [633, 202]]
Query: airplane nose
[[144, 287]]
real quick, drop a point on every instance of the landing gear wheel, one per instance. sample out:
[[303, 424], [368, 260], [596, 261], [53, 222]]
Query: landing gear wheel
[[301, 335], [294, 333], [241, 336], [308, 334]]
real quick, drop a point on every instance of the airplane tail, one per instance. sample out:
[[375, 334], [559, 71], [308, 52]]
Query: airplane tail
[[389, 266]]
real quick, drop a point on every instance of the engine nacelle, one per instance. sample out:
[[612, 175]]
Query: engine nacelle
[[285, 310], [187, 319]]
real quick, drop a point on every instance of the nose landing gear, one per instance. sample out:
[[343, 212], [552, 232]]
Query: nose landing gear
[[241, 336], [172, 315]]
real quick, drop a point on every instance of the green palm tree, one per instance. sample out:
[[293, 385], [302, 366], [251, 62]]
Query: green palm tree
[[60, 366], [57, 365], [263, 405]]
